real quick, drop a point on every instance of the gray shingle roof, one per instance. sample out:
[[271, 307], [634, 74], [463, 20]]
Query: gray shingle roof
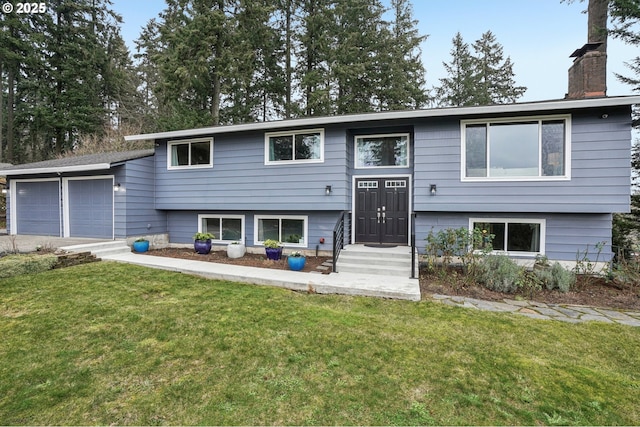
[[76, 163]]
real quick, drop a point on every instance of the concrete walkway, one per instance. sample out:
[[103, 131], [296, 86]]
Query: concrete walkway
[[334, 283]]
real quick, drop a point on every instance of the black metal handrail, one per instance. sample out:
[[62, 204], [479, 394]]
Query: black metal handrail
[[413, 245], [338, 239]]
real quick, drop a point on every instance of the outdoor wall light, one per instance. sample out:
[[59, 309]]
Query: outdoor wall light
[[4, 191], [327, 190], [433, 189], [116, 187]]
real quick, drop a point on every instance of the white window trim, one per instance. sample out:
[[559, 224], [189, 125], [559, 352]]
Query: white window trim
[[567, 153], [381, 135], [293, 134], [170, 144], [222, 217], [506, 221], [304, 218]]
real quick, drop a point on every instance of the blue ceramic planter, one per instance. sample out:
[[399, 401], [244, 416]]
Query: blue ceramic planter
[[202, 247], [273, 254], [296, 263], [141, 246]]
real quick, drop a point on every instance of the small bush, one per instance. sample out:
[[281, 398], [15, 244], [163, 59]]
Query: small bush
[[557, 277], [14, 265], [499, 273], [563, 278]]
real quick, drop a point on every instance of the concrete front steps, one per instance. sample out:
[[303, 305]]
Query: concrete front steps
[[101, 249], [361, 259]]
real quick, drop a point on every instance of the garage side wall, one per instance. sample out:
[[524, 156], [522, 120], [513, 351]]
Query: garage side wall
[[135, 212]]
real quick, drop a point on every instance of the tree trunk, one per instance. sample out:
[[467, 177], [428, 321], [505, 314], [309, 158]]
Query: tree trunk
[[287, 101], [10, 103], [1, 108]]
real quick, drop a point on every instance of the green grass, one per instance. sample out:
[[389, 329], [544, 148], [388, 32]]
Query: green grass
[[108, 343]]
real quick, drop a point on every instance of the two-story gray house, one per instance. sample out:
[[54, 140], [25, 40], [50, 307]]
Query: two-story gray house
[[543, 177]]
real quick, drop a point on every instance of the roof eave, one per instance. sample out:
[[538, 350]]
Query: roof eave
[[554, 105], [63, 169]]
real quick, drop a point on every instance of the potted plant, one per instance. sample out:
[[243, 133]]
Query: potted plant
[[202, 242], [296, 261], [273, 248], [141, 245], [236, 250]]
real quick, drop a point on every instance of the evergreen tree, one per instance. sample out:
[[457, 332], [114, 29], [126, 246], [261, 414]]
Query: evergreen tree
[[356, 55], [459, 89], [401, 70], [625, 16], [494, 73], [482, 79], [313, 70]]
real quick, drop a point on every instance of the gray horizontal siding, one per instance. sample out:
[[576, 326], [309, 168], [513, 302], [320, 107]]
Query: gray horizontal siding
[[600, 172], [184, 224], [135, 212], [566, 234], [239, 178]]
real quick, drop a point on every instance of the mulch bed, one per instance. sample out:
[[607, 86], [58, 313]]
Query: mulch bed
[[249, 260], [588, 291]]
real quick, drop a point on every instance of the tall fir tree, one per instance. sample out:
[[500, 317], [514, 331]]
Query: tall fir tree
[[313, 70], [356, 55], [494, 73], [402, 82], [459, 88], [483, 78]]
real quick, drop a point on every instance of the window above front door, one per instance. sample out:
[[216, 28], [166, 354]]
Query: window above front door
[[382, 151]]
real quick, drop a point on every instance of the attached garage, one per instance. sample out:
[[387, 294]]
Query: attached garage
[[104, 196]]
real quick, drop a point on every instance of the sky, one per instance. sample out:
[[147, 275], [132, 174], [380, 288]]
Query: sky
[[538, 36]]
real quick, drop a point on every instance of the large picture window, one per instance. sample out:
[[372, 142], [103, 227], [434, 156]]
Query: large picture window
[[225, 228], [195, 153], [536, 148], [294, 147], [374, 151], [290, 230], [513, 236]]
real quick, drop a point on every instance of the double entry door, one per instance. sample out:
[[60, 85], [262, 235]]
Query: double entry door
[[382, 210]]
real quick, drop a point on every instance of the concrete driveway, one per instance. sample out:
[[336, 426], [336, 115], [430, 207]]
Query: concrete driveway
[[26, 243]]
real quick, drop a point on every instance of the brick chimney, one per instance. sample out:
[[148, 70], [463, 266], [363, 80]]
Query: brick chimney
[[588, 74]]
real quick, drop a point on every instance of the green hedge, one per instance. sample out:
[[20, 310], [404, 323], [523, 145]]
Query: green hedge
[[14, 265]]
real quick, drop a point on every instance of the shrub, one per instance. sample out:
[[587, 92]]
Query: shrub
[[563, 279], [467, 246], [14, 265], [556, 277], [499, 273]]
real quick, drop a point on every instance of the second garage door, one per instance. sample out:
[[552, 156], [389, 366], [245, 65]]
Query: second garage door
[[90, 207]]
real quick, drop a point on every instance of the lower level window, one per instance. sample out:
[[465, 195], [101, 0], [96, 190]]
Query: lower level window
[[514, 236], [224, 227], [290, 230]]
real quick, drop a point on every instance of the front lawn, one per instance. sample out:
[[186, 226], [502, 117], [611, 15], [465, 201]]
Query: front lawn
[[109, 343]]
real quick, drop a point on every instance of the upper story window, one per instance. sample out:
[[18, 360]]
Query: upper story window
[[375, 151], [522, 149], [192, 153], [305, 146]]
